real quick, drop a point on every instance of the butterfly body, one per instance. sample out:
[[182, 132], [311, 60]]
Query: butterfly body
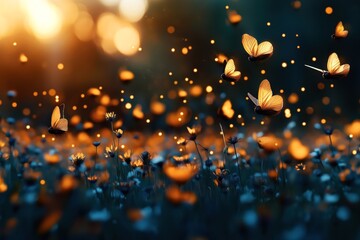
[[267, 104], [328, 75], [54, 131], [230, 74], [59, 125], [260, 111], [334, 69], [259, 58], [256, 52]]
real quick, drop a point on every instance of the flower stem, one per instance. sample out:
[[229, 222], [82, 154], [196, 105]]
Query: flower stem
[[201, 160], [281, 170], [331, 147], [239, 165]]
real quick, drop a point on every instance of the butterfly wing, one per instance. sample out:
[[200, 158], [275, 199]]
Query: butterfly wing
[[343, 70], [340, 32], [253, 99], [62, 124], [265, 48], [265, 92], [275, 103], [250, 44], [230, 71], [229, 67], [333, 63], [55, 116]]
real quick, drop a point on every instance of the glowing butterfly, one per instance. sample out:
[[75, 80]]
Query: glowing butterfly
[[234, 17], [230, 74], [340, 31], [267, 104], [334, 69], [256, 52], [226, 110], [59, 124]]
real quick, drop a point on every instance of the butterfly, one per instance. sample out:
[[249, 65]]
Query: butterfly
[[230, 74], [226, 110], [59, 124], [267, 104], [256, 52], [334, 69], [340, 32]]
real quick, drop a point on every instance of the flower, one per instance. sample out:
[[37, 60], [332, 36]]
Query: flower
[[137, 163], [233, 140], [118, 132], [126, 157], [300, 167], [193, 132], [182, 141], [110, 116], [77, 159], [328, 130], [110, 151], [96, 143]]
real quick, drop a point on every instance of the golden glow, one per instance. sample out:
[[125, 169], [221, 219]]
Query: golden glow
[[43, 18], [297, 150], [133, 10], [127, 40], [170, 29], [328, 10], [60, 66], [181, 173], [23, 58], [209, 89], [269, 143], [126, 75]]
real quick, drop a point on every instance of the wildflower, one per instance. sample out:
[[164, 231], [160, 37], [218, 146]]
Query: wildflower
[[110, 151], [110, 116], [182, 141], [92, 179], [182, 159], [137, 163], [118, 133], [233, 140], [125, 187], [126, 157], [77, 159], [328, 130], [193, 132], [300, 167]]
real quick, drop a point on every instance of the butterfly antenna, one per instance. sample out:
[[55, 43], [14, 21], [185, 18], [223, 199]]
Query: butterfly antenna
[[63, 109], [317, 69]]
